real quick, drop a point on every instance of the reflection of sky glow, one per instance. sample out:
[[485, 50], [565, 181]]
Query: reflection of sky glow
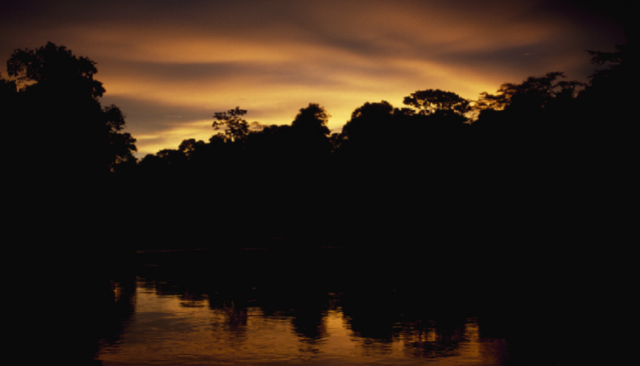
[[272, 58], [166, 331]]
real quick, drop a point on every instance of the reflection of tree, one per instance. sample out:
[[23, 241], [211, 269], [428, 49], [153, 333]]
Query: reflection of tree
[[298, 289], [382, 303], [91, 316], [370, 316], [116, 310], [234, 321], [535, 146], [385, 312], [436, 339], [308, 314], [306, 309]]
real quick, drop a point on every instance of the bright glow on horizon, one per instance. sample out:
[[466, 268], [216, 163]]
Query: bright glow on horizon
[[158, 61]]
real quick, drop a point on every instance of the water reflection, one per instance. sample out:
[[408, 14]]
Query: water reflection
[[165, 331], [276, 311], [92, 318]]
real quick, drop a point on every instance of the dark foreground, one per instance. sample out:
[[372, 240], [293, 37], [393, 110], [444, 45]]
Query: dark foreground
[[313, 306]]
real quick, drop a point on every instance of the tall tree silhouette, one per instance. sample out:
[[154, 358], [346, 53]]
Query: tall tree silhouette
[[235, 127], [314, 117], [65, 172], [8, 99], [368, 126], [311, 132], [607, 107], [60, 107]]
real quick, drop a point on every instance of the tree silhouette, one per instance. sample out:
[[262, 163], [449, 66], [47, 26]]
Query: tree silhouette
[[534, 92], [368, 122], [606, 110], [311, 132], [314, 117], [436, 101], [610, 86], [366, 133], [7, 88], [53, 65], [188, 147], [8, 98], [119, 156], [59, 104], [236, 128]]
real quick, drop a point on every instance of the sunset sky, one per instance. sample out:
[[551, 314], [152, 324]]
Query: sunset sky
[[170, 65]]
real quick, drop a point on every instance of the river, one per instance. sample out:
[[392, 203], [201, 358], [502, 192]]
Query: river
[[319, 307]]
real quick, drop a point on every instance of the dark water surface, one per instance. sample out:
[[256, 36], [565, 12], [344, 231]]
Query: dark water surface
[[327, 307]]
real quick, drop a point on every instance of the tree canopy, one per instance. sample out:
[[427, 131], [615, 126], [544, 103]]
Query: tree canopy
[[314, 117], [235, 127], [59, 101], [369, 120], [436, 101], [55, 66], [535, 92]]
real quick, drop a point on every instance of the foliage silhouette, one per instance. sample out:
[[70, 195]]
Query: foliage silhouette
[[190, 146], [314, 117], [311, 133], [544, 159], [65, 177], [236, 128], [53, 65], [59, 101], [525, 133], [8, 88], [366, 131], [9, 99], [437, 101], [535, 92]]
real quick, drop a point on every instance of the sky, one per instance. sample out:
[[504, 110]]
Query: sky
[[169, 65]]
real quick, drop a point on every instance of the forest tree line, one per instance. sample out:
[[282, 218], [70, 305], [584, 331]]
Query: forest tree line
[[54, 95], [545, 132]]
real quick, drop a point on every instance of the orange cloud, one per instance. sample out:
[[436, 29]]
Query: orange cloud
[[273, 58]]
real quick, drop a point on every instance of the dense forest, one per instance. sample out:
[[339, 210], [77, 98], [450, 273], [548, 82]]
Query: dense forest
[[515, 208], [545, 156]]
